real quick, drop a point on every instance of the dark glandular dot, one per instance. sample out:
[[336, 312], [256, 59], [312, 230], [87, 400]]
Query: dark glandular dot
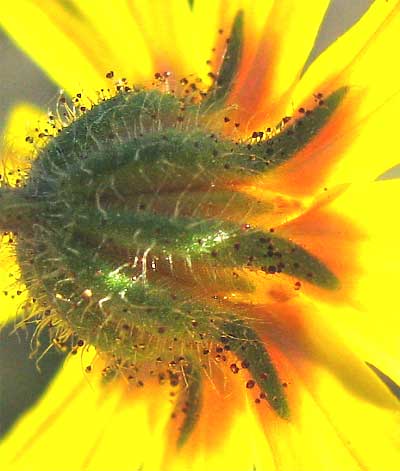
[[250, 384]]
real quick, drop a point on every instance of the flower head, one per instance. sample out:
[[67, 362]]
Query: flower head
[[198, 226]]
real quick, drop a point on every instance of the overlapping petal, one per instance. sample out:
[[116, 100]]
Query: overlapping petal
[[328, 428], [272, 30], [78, 430], [362, 248], [66, 49], [359, 143], [81, 42]]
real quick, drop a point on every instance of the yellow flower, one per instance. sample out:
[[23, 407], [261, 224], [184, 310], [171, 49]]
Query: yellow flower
[[297, 368]]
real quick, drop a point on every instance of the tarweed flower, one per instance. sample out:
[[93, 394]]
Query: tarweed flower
[[198, 225]]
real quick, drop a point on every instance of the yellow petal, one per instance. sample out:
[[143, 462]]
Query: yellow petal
[[362, 58], [64, 48], [217, 17], [227, 424], [111, 428], [178, 43], [359, 143], [15, 151], [12, 292], [328, 427], [80, 425], [114, 25], [273, 31], [362, 248], [290, 31], [374, 325], [15, 154], [81, 42]]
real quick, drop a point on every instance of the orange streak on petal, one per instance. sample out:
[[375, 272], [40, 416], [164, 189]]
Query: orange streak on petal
[[222, 400], [307, 171], [333, 239], [254, 81]]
